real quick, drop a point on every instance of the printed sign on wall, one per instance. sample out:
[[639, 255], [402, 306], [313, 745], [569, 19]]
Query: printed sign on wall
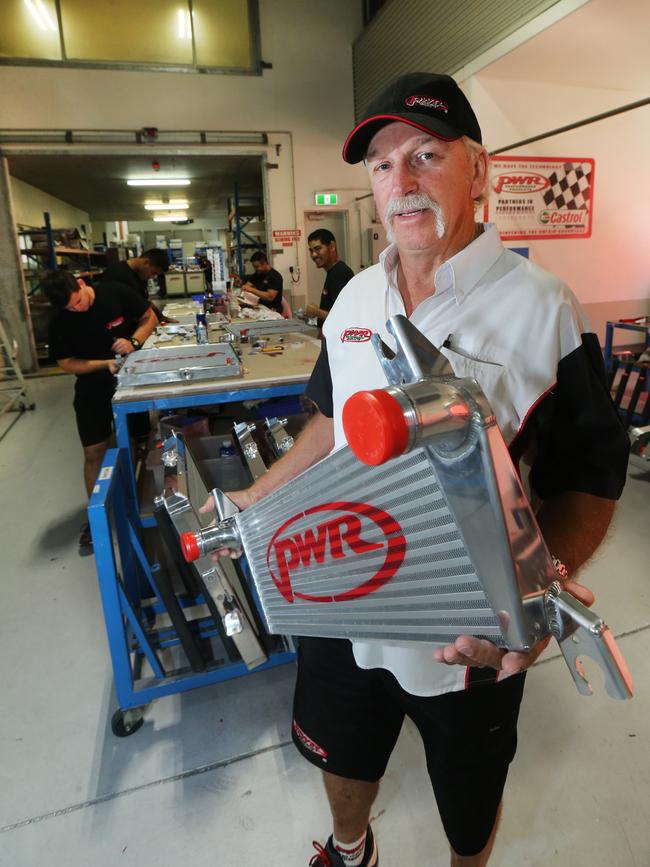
[[532, 198]]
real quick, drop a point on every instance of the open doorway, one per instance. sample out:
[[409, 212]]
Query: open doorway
[[95, 217], [337, 223]]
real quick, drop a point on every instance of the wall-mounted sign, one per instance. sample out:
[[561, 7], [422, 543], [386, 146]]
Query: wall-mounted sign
[[326, 198], [286, 236], [532, 198]]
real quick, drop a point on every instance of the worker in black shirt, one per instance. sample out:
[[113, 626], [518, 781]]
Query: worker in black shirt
[[266, 282], [206, 266], [323, 252], [92, 325], [137, 271]]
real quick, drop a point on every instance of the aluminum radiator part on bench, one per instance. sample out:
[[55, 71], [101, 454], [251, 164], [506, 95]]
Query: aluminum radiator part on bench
[[173, 364], [419, 530]]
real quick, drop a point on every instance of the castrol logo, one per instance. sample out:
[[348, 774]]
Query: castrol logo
[[562, 217], [524, 183], [356, 335], [340, 533]]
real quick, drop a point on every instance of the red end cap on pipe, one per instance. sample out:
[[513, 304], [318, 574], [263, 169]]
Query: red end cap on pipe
[[190, 547], [375, 426]]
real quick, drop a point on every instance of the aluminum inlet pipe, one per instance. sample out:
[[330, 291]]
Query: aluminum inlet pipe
[[198, 544]]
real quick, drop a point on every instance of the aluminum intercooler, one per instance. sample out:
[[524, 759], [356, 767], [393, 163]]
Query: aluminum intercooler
[[419, 530]]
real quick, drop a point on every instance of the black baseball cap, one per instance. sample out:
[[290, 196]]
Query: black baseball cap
[[433, 103]]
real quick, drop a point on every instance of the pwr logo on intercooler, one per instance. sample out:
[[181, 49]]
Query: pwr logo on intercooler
[[338, 533]]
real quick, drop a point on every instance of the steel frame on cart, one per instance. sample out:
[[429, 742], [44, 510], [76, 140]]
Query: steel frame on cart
[[132, 600]]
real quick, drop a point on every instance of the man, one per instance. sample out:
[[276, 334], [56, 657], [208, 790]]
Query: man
[[266, 282], [137, 271], [91, 327], [206, 266], [323, 252], [520, 332]]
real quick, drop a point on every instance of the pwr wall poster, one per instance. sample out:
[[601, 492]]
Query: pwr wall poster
[[532, 198]]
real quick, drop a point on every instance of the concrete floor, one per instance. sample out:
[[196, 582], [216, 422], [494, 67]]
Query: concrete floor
[[211, 778]]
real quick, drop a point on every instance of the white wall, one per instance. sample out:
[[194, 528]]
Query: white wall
[[308, 94], [30, 204], [609, 272]]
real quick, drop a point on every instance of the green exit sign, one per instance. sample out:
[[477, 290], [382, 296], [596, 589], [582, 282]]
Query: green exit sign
[[327, 198]]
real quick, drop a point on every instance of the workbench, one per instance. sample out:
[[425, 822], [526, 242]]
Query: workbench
[[263, 377]]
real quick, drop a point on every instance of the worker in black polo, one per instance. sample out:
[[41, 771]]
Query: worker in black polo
[[91, 326], [266, 282], [324, 254], [137, 271]]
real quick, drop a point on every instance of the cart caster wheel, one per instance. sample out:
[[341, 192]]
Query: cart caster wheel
[[125, 723], [22, 406]]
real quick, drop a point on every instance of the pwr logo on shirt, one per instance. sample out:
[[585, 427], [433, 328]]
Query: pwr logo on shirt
[[356, 335], [115, 322]]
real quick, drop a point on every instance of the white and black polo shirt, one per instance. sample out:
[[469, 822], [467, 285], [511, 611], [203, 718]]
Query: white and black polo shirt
[[521, 333]]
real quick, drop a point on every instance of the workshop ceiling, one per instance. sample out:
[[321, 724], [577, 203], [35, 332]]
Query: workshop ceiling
[[97, 184]]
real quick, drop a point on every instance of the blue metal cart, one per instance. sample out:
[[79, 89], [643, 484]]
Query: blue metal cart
[[134, 599]]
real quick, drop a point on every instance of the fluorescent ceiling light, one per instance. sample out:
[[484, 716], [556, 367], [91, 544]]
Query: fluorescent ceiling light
[[158, 182], [168, 218], [166, 206]]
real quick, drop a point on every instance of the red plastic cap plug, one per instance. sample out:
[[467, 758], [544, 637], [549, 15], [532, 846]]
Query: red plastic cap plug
[[190, 547], [375, 426]]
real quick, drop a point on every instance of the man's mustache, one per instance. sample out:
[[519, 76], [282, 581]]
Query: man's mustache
[[414, 202]]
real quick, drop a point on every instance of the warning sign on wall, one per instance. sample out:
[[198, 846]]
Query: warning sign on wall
[[287, 234], [286, 237], [532, 198]]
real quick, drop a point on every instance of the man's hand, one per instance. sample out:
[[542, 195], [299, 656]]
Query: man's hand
[[122, 346], [479, 653], [242, 499], [112, 365]]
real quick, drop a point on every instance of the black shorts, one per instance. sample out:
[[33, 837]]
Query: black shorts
[[347, 721], [94, 413]]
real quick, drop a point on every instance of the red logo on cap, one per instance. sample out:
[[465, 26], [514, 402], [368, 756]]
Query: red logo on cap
[[426, 102]]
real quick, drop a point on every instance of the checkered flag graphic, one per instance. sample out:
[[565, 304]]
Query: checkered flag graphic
[[570, 187]]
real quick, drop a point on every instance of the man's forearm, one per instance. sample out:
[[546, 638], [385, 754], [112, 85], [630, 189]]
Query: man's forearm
[[574, 525], [266, 294], [81, 366], [314, 443], [313, 310], [146, 325]]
